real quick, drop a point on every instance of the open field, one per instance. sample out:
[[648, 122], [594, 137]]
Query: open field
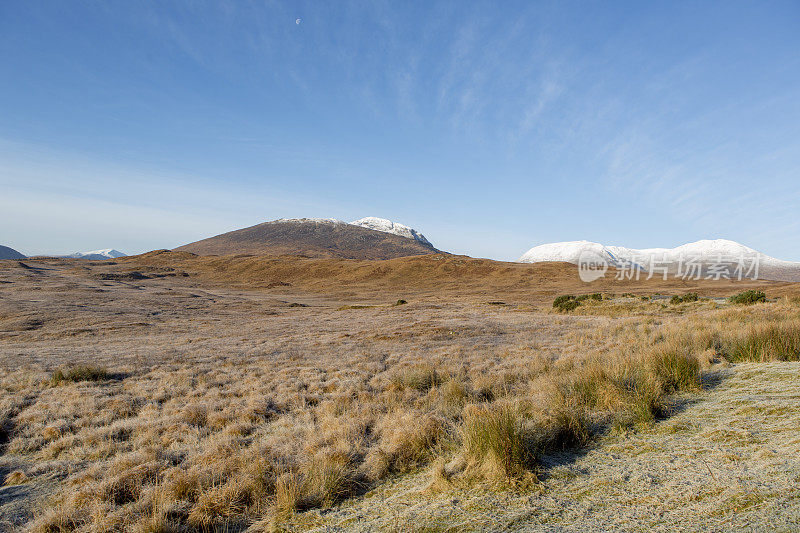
[[169, 392]]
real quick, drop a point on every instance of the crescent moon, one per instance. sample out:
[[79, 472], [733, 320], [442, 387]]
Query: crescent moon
[[297, 22]]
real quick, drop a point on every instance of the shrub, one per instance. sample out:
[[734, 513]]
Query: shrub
[[561, 300], [748, 297], [688, 297], [569, 306], [400, 302], [79, 373], [566, 303]]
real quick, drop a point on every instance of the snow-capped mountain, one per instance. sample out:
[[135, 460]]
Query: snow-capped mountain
[[387, 226], [706, 256], [10, 253], [98, 255], [317, 237]]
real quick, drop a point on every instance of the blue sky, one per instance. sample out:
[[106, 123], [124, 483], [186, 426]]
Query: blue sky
[[489, 126]]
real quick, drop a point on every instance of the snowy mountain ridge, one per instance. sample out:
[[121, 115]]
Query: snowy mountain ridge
[[98, 255], [387, 226], [374, 223], [705, 253]]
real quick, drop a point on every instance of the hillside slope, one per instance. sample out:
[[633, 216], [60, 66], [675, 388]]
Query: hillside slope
[[310, 238], [433, 275], [10, 253]]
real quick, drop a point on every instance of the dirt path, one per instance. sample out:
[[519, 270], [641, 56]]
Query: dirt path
[[729, 461]]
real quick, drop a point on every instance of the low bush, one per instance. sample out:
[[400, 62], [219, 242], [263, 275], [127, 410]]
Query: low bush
[[569, 306], [566, 303], [688, 297], [561, 300], [748, 297]]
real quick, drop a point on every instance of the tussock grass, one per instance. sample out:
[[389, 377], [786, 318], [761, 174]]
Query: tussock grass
[[407, 441], [675, 367], [17, 477], [765, 342], [420, 378], [503, 441], [495, 441], [79, 373]]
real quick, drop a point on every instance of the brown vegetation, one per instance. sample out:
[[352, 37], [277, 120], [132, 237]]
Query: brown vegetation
[[230, 408]]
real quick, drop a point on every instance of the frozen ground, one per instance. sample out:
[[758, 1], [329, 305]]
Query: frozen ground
[[729, 460]]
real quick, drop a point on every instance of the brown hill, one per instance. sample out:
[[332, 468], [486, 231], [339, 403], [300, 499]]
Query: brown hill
[[431, 276], [309, 238]]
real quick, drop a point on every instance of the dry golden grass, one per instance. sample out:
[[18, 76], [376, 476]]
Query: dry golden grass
[[229, 408]]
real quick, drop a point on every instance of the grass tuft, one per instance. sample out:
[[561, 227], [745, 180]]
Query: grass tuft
[[79, 373], [771, 342], [494, 438], [420, 378], [676, 368], [17, 477]]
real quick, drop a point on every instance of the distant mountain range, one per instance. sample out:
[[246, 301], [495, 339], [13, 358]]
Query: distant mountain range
[[10, 253], [98, 255], [379, 238], [707, 258], [367, 238]]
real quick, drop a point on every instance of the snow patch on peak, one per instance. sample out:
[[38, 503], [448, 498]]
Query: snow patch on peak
[[312, 220], [387, 226], [107, 253], [567, 252]]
